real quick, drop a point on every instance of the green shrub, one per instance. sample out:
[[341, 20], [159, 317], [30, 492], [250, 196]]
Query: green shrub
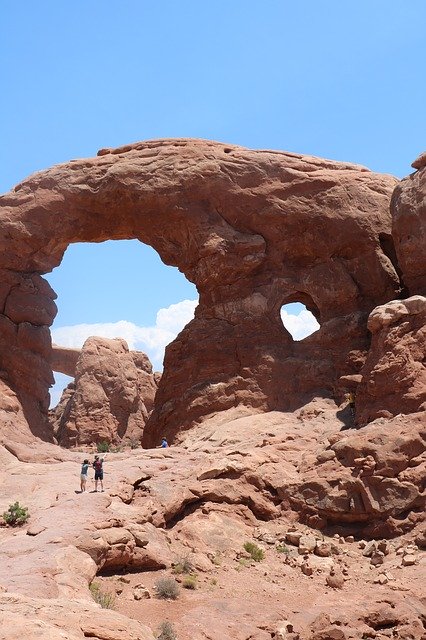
[[106, 600], [166, 631], [16, 515], [167, 588], [282, 548], [103, 447], [243, 562], [189, 582], [256, 553], [183, 565]]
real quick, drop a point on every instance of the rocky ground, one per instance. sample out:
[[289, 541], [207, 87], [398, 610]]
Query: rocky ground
[[338, 513]]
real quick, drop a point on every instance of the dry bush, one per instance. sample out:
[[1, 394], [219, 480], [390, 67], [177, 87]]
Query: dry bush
[[167, 588]]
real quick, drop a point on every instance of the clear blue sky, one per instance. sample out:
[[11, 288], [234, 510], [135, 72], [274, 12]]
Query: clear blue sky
[[343, 80]]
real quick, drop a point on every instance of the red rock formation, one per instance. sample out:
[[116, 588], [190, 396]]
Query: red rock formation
[[111, 398], [252, 229], [409, 227], [394, 375], [64, 359]]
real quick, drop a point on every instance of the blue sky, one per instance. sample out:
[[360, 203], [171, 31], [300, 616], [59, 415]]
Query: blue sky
[[342, 80]]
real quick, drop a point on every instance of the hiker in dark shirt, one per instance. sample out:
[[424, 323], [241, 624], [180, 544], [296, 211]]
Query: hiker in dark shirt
[[99, 472]]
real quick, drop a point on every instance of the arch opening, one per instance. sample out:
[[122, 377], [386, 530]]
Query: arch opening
[[118, 289], [299, 319]]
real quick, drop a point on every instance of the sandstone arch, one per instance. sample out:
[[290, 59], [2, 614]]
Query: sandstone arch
[[249, 228]]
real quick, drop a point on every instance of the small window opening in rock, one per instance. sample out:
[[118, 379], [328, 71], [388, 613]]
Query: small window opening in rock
[[118, 289], [227, 150], [298, 320]]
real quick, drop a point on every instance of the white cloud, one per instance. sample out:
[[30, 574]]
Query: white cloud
[[301, 325], [152, 340]]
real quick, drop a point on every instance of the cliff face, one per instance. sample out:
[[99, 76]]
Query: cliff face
[[408, 210], [252, 229]]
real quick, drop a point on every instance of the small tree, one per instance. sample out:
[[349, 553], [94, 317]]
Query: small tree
[[16, 515], [103, 447]]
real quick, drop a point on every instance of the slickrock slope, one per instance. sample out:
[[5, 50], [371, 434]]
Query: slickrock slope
[[252, 229], [194, 506], [111, 398]]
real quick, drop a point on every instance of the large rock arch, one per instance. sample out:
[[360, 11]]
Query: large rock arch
[[251, 229]]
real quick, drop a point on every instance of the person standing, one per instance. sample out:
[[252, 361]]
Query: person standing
[[83, 475], [98, 465], [351, 401], [164, 444]]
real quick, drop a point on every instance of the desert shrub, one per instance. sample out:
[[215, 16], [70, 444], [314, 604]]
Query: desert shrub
[[134, 443], [106, 600], [166, 631], [189, 582], [167, 588], [119, 448], [256, 553], [103, 447], [183, 565], [242, 562], [16, 515], [217, 559], [282, 548]]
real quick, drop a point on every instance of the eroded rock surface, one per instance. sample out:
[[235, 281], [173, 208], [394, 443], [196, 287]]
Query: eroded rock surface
[[111, 398], [190, 509], [409, 227], [252, 229], [394, 375]]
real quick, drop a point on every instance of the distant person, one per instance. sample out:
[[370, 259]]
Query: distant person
[[98, 465], [164, 444], [351, 400], [83, 475]]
